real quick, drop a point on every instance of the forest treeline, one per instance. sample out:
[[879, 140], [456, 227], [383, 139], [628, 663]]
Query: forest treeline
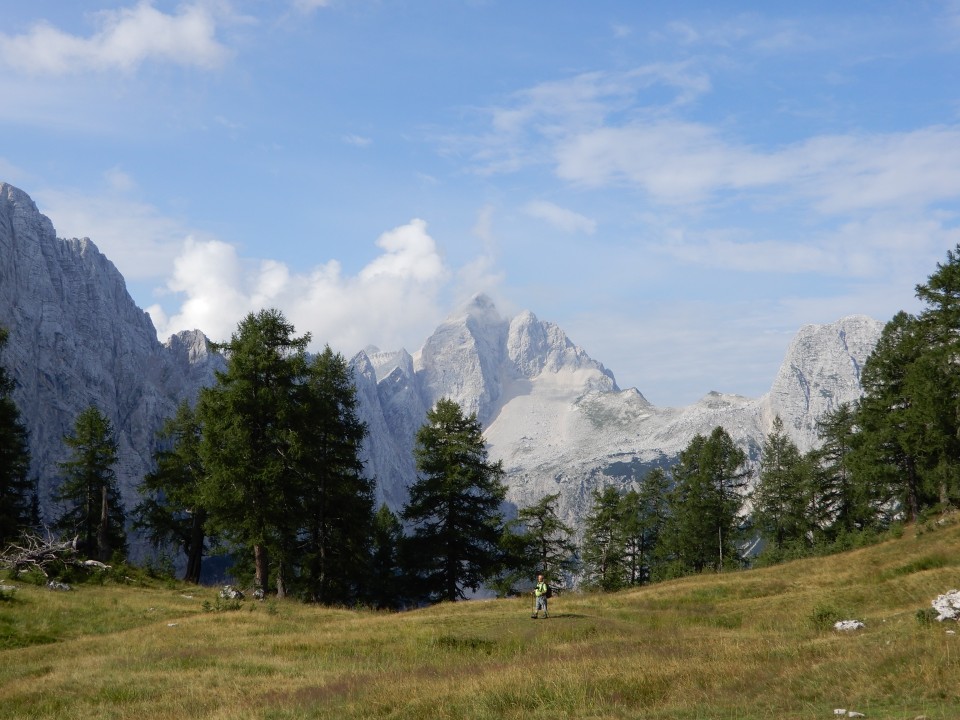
[[266, 468]]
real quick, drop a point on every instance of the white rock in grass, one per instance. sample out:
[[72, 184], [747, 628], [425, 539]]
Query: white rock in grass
[[848, 625], [948, 606]]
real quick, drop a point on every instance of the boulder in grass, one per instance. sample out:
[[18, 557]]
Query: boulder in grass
[[846, 625], [948, 606], [229, 592]]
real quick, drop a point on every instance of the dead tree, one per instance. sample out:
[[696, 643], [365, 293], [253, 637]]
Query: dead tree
[[34, 552]]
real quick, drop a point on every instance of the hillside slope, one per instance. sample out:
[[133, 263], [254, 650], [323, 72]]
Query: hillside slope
[[745, 645]]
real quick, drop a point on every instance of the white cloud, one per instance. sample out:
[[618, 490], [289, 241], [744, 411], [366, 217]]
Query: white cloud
[[393, 301], [677, 162], [526, 130], [137, 238], [125, 39], [561, 218]]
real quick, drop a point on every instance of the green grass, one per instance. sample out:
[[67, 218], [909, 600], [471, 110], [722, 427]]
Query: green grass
[[744, 645]]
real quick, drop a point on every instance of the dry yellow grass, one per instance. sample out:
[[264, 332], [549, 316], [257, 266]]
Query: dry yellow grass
[[742, 645]]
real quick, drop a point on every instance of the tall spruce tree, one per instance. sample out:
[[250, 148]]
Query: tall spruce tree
[[93, 508], [336, 494], [704, 529], [645, 513], [603, 550], [172, 510], [386, 587], [536, 542], [781, 497], [17, 491], [938, 377], [842, 501], [454, 506], [249, 418], [889, 454]]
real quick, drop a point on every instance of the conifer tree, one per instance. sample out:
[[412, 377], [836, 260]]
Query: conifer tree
[[17, 491], [536, 542], [937, 377], [386, 587], [645, 513], [704, 527], [781, 496], [888, 458], [843, 503], [93, 508], [603, 550], [172, 510], [454, 506], [336, 494], [248, 419]]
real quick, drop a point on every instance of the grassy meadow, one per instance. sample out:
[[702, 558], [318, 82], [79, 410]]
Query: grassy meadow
[[754, 644]]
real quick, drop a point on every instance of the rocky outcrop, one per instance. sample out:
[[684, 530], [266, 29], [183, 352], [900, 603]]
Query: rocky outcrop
[[78, 339], [821, 370]]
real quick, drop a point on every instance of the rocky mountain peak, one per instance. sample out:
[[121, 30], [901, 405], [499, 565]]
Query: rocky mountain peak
[[820, 370], [554, 416], [78, 339]]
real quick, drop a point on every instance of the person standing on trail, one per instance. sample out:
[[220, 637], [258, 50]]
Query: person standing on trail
[[541, 592]]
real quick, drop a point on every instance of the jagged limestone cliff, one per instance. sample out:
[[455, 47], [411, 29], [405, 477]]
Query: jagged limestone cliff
[[553, 415], [78, 339]]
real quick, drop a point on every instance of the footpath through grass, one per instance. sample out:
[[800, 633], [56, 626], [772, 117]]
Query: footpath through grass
[[747, 645]]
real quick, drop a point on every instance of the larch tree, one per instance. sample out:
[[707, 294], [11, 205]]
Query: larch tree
[[17, 491], [781, 496], [172, 511], [603, 549], [454, 506], [538, 541], [337, 496], [704, 528], [249, 418], [93, 509]]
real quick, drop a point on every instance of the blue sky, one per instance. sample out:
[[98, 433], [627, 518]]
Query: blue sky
[[679, 186]]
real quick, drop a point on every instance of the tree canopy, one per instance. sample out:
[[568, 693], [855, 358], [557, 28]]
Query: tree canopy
[[454, 505], [93, 509], [17, 492]]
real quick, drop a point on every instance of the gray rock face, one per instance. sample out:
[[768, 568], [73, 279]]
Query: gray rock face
[[78, 339], [821, 371], [555, 417], [560, 424]]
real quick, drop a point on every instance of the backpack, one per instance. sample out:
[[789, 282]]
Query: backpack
[[549, 593]]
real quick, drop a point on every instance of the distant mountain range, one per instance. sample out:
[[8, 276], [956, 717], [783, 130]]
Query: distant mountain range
[[553, 415]]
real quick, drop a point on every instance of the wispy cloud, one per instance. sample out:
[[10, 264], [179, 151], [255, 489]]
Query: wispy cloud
[[357, 140], [678, 162], [124, 39], [560, 218], [525, 130], [139, 239], [308, 6]]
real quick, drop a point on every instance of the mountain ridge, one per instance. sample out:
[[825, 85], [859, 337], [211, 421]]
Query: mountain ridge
[[553, 415]]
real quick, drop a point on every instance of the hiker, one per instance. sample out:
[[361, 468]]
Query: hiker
[[542, 592]]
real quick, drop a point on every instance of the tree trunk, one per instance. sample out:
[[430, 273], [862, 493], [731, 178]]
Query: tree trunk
[[195, 549], [103, 541], [281, 581], [261, 571]]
